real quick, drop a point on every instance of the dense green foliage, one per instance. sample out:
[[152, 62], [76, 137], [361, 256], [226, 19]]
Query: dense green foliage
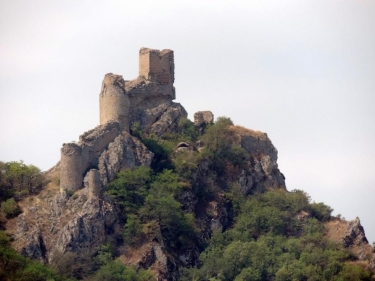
[[269, 242], [220, 148], [151, 207], [18, 180], [10, 208], [276, 235], [116, 271]]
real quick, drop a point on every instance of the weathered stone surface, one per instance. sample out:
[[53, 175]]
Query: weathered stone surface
[[113, 101], [152, 256], [354, 234], [146, 100], [71, 167], [88, 227], [64, 224], [35, 248], [125, 151], [157, 65], [203, 117], [77, 158], [168, 121], [256, 143], [92, 183], [264, 173], [31, 234]]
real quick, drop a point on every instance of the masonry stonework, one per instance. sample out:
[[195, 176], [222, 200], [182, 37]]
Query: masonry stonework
[[113, 101], [146, 100], [157, 65], [71, 167], [92, 182]]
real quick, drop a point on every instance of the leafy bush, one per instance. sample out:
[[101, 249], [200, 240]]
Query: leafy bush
[[18, 179], [129, 189], [10, 208], [186, 130], [321, 211], [133, 230], [73, 265], [269, 242], [69, 193], [220, 147], [162, 151], [116, 271]]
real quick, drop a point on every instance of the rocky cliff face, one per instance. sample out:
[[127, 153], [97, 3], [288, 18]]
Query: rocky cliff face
[[57, 223], [352, 236], [264, 173], [79, 218], [82, 221]]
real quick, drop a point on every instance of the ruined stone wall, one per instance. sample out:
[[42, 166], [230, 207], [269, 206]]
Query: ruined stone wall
[[113, 101], [157, 65], [76, 159], [71, 167], [95, 141], [92, 183], [146, 100]]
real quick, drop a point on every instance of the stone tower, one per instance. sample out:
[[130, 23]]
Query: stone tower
[[148, 100], [157, 66], [71, 167], [113, 101]]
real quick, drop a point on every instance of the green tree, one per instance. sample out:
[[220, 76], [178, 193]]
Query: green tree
[[116, 271], [220, 147], [10, 208], [133, 230], [18, 179], [162, 151], [129, 189]]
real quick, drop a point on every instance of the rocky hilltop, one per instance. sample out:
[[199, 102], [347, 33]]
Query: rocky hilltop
[[74, 213]]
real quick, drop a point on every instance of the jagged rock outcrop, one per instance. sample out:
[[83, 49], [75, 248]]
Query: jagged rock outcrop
[[163, 118], [59, 224], [125, 151], [203, 117], [354, 234], [35, 247], [152, 256], [351, 235], [146, 101], [89, 226], [81, 218], [264, 173]]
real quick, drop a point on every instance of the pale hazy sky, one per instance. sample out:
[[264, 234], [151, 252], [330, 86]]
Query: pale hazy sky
[[302, 71]]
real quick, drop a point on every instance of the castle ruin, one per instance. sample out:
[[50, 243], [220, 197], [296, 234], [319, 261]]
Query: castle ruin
[[147, 100]]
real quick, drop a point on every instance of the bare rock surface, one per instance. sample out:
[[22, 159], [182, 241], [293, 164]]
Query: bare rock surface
[[264, 173], [58, 223], [125, 151], [203, 117], [89, 226], [351, 235], [354, 234]]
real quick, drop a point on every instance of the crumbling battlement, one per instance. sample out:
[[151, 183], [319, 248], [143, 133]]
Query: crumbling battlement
[[124, 101], [113, 101], [77, 158], [71, 167], [157, 65], [147, 100]]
